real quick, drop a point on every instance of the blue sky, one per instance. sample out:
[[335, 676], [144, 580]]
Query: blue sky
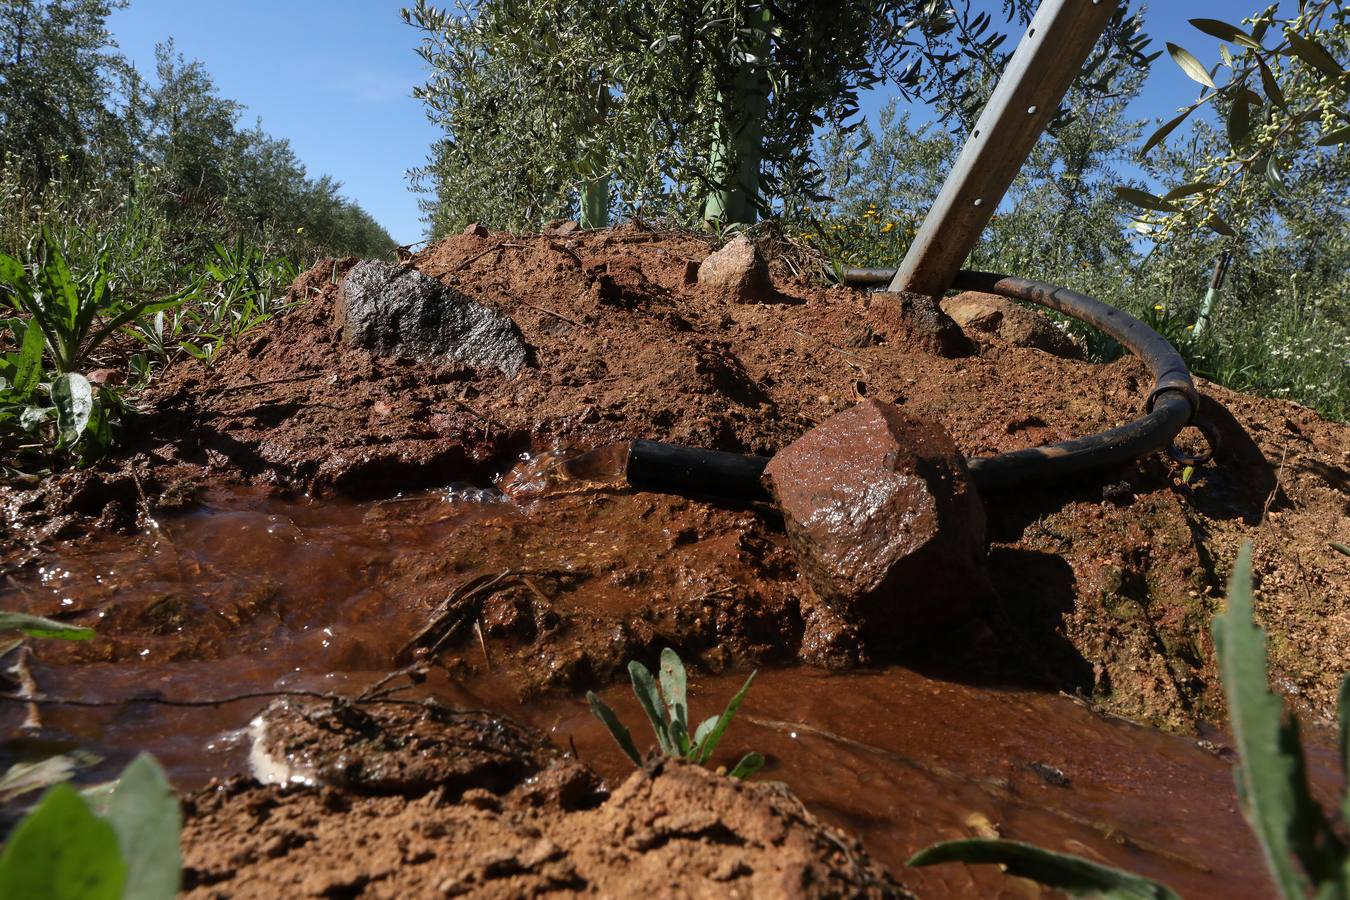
[[335, 77]]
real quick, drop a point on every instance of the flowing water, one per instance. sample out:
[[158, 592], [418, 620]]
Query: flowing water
[[252, 594]]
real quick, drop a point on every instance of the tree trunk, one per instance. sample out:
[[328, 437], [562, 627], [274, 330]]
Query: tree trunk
[[738, 151], [595, 191], [595, 203]]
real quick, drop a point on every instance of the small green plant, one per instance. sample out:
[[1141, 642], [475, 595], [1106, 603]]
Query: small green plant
[[239, 289], [65, 319], [1305, 854], [667, 709], [65, 849]]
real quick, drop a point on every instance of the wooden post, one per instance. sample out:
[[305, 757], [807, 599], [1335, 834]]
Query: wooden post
[[1051, 54]]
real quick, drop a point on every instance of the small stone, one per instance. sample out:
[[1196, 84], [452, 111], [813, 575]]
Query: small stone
[[561, 227], [477, 229], [1011, 322], [885, 520], [740, 270], [395, 311]]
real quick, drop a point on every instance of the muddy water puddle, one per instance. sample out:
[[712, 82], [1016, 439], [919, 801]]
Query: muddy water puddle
[[252, 594]]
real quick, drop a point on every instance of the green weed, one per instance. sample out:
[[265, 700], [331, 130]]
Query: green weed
[[64, 318], [240, 288], [667, 709]]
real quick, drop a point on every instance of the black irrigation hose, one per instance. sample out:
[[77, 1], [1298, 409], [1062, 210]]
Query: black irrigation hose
[[1172, 405]]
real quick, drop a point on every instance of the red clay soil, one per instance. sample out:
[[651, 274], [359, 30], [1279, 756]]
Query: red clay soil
[[1109, 581], [521, 824]]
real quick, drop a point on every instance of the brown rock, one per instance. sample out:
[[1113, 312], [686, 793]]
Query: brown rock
[[477, 229], [740, 270], [561, 227], [885, 520], [105, 376], [1011, 322]]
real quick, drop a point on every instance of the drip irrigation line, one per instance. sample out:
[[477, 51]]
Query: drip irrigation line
[[1172, 404]]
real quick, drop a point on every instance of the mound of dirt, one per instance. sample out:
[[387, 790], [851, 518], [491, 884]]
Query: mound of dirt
[[670, 828], [1108, 581]]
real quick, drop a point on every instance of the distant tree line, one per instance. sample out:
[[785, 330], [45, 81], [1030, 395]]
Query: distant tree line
[[77, 116]]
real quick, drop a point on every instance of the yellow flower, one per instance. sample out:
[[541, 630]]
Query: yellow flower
[[1158, 306], [300, 230], [888, 228], [1190, 327]]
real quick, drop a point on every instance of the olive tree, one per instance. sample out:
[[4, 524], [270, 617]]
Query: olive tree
[[1280, 91], [696, 109]]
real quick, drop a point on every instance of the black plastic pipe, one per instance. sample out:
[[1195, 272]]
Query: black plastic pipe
[[694, 472], [1171, 405]]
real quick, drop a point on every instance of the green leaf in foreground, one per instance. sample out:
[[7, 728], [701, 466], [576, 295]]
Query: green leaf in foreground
[[644, 687], [1314, 54], [1163, 131], [708, 744], [675, 687], [1226, 32], [750, 764], [62, 851], [1332, 138], [144, 812], [28, 371], [1272, 786], [1071, 874], [37, 626]]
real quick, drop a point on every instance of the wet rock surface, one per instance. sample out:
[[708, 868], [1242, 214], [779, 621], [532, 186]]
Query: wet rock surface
[[738, 269], [880, 508], [388, 748], [1011, 322], [396, 311]]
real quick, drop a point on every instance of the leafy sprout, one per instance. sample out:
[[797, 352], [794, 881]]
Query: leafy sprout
[[667, 708]]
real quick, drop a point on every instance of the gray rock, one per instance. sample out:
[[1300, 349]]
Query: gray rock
[[740, 270], [397, 311], [885, 521], [475, 229]]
